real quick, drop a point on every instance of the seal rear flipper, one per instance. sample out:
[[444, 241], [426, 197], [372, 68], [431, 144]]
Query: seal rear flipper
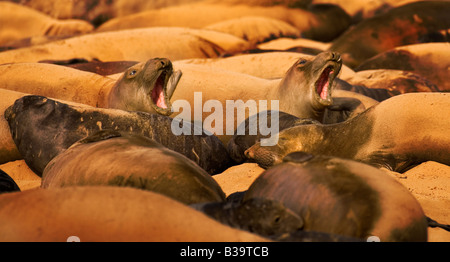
[[433, 223]]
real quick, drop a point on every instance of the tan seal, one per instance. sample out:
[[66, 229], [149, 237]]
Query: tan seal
[[343, 197], [107, 214], [305, 91], [19, 22], [133, 45], [146, 86], [396, 134], [112, 158]]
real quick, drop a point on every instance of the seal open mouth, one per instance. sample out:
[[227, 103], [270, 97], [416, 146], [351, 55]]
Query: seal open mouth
[[163, 89], [324, 82]]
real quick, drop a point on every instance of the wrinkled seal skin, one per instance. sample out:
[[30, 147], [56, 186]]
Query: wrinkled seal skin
[[381, 84], [7, 184], [396, 134], [268, 218], [260, 216], [418, 22], [429, 60], [343, 197], [123, 159], [43, 128]]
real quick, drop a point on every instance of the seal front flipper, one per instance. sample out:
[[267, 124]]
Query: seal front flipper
[[343, 108]]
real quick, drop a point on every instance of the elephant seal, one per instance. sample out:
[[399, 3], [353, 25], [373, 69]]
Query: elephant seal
[[255, 29], [318, 22], [381, 84], [96, 213], [42, 128], [376, 137], [173, 43], [113, 158], [260, 216], [7, 184], [104, 68], [268, 218], [19, 22], [269, 65], [240, 143], [146, 86], [8, 149], [429, 60], [343, 197], [135, 83], [413, 23], [305, 91]]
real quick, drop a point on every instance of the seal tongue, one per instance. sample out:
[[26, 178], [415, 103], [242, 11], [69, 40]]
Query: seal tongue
[[157, 92], [324, 82]]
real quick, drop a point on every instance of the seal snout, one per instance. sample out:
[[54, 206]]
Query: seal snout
[[263, 157], [336, 57]]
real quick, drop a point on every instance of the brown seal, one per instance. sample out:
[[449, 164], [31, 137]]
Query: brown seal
[[343, 197], [429, 60], [20, 22], [42, 128], [146, 86], [381, 84], [96, 213], [173, 43], [306, 91], [413, 23], [112, 158], [396, 134], [319, 22]]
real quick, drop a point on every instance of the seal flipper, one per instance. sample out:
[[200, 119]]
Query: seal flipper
[[433, 223], [342, 109], [7, 184]]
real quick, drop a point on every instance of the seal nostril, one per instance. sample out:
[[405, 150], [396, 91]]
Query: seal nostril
[[248, 153]]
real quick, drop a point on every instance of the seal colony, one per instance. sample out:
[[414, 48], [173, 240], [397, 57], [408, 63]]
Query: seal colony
[[94, 94]]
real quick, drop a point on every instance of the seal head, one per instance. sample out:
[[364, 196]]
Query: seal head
[[316, 78], [146, 87]]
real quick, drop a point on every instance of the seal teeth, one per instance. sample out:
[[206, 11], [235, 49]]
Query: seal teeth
[[172, 83]]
